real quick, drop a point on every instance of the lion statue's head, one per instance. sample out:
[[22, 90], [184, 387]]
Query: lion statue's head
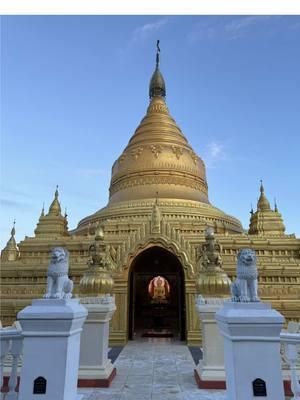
[[59, 262], [246, 257], [246, 264], [59, 254]]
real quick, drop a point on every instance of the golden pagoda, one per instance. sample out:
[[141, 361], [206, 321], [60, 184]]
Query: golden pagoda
[[154, 226]]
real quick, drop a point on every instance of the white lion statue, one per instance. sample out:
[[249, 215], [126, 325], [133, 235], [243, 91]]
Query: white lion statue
[[59, 286], [244, 288]]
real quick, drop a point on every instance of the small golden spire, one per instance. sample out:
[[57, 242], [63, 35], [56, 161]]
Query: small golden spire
[[10, 251], [66, 215], [263, 203], [13, 230], [55, 208], [157, 53], [157, 84], [251, 210], [275, 205]]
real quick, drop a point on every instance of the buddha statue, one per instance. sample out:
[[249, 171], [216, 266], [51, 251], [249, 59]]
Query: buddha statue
[[159, 290]]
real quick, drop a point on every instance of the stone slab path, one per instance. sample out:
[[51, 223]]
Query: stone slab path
[[154, 369]]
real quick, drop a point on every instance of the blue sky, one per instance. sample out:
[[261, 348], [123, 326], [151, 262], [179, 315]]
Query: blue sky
[[74, 88]]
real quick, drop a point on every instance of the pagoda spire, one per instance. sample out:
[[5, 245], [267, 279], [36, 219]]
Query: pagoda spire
[[55, 208], [53, 224], [157, 85], [10, 251], [263, 203], [265, 220]]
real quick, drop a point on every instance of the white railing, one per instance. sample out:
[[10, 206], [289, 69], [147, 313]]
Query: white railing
[[11, 343], [291, 354]]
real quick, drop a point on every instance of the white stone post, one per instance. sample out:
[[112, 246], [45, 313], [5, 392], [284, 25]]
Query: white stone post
[[11, 342], [210, 372], [51, 331], [251, 334], [291, 345], [95, 369], [15, 351]]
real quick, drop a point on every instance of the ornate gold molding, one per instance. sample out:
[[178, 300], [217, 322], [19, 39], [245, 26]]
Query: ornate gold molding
[[176, 178]]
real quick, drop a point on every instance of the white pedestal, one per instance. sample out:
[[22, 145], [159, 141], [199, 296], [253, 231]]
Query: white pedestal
[[94, 364], [51, 330], [251, 334], [211, 367]]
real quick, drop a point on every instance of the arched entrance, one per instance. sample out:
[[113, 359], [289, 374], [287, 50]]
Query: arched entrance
[[157, 298]]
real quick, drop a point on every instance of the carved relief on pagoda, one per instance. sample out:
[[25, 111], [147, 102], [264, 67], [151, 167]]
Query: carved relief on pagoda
[[175, 178], [173, 157]]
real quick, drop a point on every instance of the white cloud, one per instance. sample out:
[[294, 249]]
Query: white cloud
[[210, 28], [214, 153], [238, 26], [143, 31]]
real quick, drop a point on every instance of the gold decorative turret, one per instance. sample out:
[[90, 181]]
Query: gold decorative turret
[[52, 224], [97, 280], [10, 251], [212, 280], [265, 220]]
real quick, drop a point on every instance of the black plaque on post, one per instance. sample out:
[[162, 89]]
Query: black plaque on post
[[39, 385], [259, 388]]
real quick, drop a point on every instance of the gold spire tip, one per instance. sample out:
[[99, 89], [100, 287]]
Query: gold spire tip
[[13, 230], [157, 53]]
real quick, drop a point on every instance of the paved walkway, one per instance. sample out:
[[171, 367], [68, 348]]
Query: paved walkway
[[154, 369]]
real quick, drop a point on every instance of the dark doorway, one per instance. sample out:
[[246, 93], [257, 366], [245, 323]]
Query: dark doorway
[[157, 298]]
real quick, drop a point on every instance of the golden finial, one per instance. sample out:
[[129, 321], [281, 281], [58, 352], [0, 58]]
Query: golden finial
[[13, 231], [275, 205], [10, 251], [261, 186], [263, 203], [157, 84], [157, 53], [54, 208]]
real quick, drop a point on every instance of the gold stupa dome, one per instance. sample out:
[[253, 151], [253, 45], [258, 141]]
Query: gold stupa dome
[[159, 162], [158, 157]]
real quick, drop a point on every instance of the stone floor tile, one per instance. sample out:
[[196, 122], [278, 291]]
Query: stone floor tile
[[166, 389], [136, 396], [154, 370], [142, 388], [103, 396]]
